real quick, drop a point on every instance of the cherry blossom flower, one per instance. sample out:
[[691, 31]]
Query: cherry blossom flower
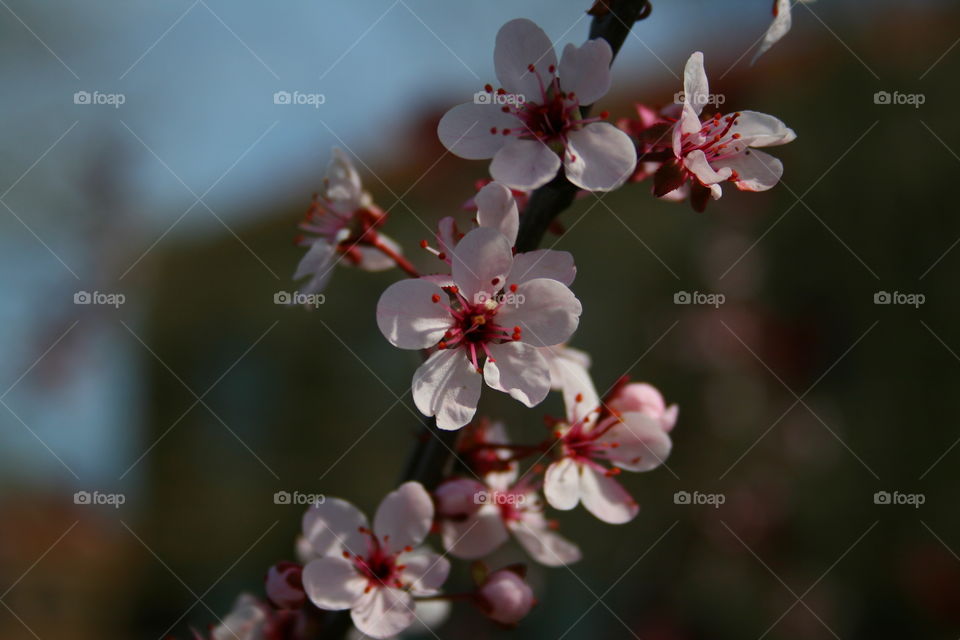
[[594, 435], [342, 224], [720, 148], [284, 585], [536, 114], [246, 621], [505, 597], [488, 324], [373, 572], [780, 26]]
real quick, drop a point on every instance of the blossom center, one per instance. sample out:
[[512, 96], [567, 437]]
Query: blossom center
[[474, 324]]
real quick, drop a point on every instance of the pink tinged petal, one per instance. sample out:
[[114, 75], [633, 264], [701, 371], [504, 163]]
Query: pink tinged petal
[[642, 442], [599, 157], [342, 180], [568, 373], [696, 162], [477, 536], [525, 164], [333, 524], [497, 209], [245, 621], [518, 369], [404, 516], [372, 259], [439, 279], [318, 262], [639, 396], [447, 235], [333, 583], [546, 311], [756, 170], [561, 484], [448, 387], [467, 130], [669, 418], [777, 29], [545, 546], [424, 570], [585, 70], [383, 612], [605, 498], [412, 314], [696, 89], [481, 262], [521, 43], [543, 263], [761, 130]]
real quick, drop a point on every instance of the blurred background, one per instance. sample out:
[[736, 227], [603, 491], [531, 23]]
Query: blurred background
[[175, 187]]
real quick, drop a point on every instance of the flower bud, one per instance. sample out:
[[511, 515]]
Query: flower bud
[[506, 597], [641, 397], [285, 586]]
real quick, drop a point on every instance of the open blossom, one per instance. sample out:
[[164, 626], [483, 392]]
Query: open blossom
[[778, 28], [488, 324], [341, 227], [532, 124], [720, 148], [373, 572], [630, 435], [505, 597]]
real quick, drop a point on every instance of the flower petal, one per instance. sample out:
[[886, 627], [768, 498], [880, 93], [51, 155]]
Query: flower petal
[[342, 180], [545, 546], [424, 570], [412, 314], [761, 130], [756, 170], [372, 259], [696, 162], [383, 612], [483, 257], [603, 157], [642, 443], [696, 88], [605, 498], [568, 374], [404, 516], [546, 311], [333, 524], [448, 387], [497, 209], [318, 262], [467, 130], [777, 29], [525, 164], [585, 70], [333, 583], [475, 537], [521, 43], [543, 263], [518, 369], [561, 484]]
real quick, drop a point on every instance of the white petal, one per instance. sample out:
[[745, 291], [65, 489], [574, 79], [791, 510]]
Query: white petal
[[448, 387], [525, 164], [245, 621], [603, 157], [518, 369], [561, 484], [318, 262], [466, 130], [696, 89], [477, 536], [543, 263], [497, 209], [777, 29], [642, 443], [569, 374], [404, 516], [425, 571], [761, 130], [383, 612], [546, 311], [585, 70], [605, 498], [521, 43], [333, 583], [756, 170], [333, 524], [430, 615], [483, 257], [343, 181], [543, 545], [696, 162], [409, 317], [372, 259]]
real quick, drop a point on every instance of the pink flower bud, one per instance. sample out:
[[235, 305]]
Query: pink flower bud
[[506, 597], [285, 586], [459, 498], [641, 397]]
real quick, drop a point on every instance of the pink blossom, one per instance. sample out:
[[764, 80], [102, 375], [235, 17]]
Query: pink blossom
[[373, 572], [780, 26], [506, 597], [536, 114], [644, 398], [487, 324], [284, 585], [247, 621]]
